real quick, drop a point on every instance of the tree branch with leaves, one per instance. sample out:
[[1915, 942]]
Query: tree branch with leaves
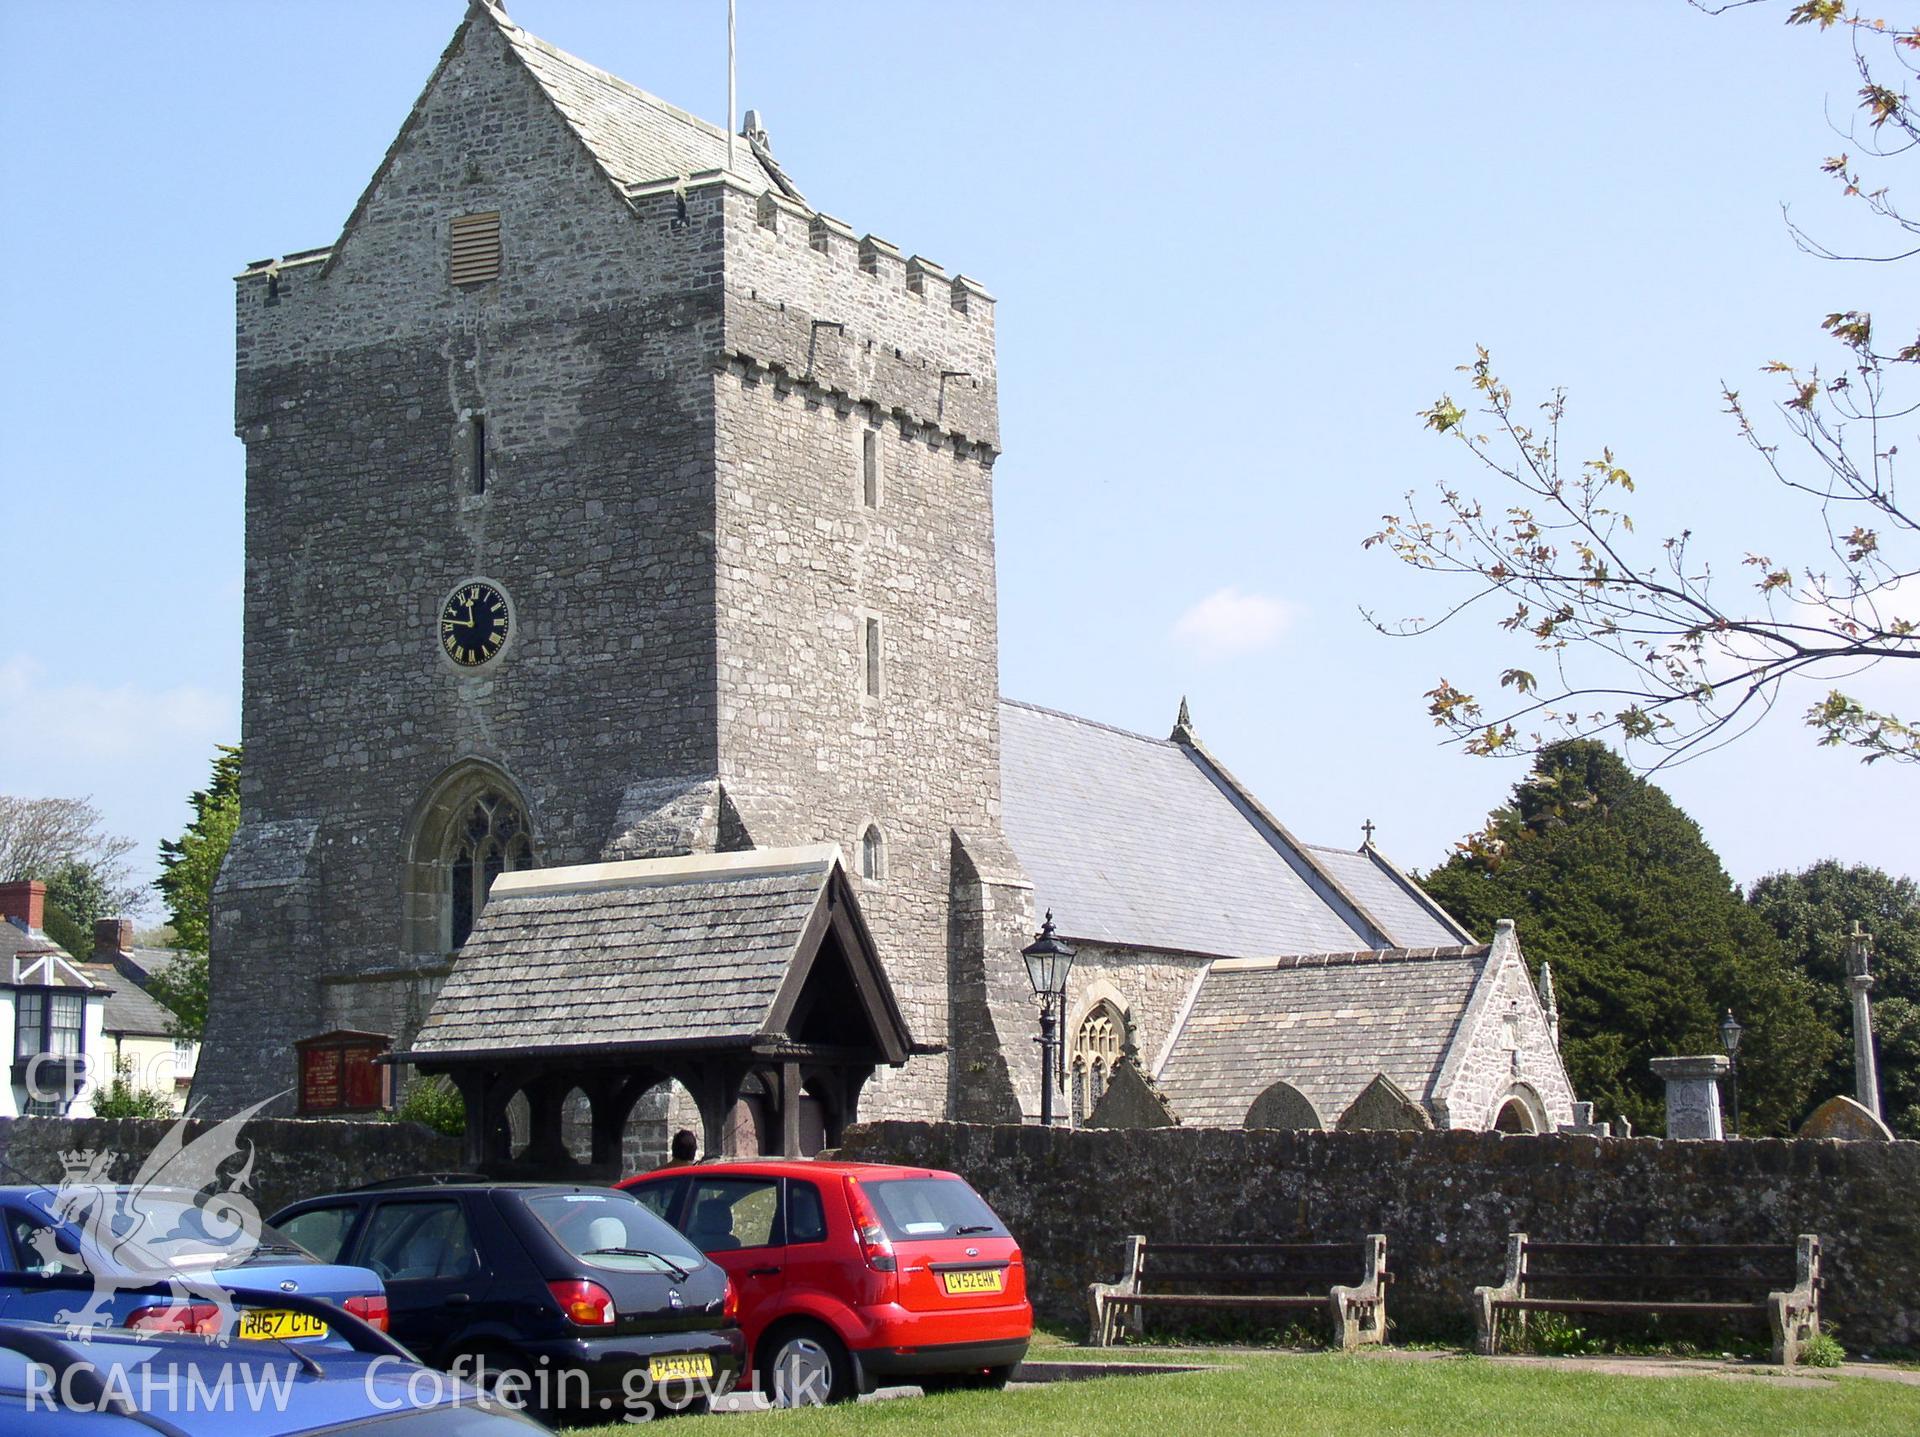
[[1640, 637]]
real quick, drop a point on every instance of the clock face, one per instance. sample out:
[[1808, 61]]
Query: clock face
[[473, 624]]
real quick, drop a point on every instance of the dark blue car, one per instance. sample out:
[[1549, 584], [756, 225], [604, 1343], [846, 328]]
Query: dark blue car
[[125, 1239], [117, 1383]]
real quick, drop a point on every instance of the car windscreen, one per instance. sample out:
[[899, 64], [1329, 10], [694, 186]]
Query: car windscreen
[[612, 1230], [919, 1208]]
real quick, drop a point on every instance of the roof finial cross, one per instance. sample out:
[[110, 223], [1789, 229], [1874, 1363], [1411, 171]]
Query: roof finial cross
[[1367, 829]]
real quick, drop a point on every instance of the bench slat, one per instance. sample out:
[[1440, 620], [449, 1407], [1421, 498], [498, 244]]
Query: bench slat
[[1197, 1299], [1654, 1278], [1784, 1251], [1218, 1249], [1577, 1304], [1312, 1274]]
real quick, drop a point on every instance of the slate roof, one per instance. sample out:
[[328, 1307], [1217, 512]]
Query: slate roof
[[1130, 842], [683, 951], [1411, 919], [130, 1009], [638, 138], [1326, 1023]]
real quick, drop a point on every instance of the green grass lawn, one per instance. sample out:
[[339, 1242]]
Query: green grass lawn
[[1324, 1394]]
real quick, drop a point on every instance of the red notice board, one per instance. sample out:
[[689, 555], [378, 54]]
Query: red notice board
[[340, 1072]]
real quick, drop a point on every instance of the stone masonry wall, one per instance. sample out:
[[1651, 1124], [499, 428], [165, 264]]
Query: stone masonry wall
[[593, 360], [1445, 1200], [825, 357], [292, 1158]]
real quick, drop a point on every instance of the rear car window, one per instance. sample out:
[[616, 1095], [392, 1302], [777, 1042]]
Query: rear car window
[[931, 1207], [412, 1240], [613, 1230], [806, 1219]]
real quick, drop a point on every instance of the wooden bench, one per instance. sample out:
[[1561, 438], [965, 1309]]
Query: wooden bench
[[1348, 1280], [1779, 1280]]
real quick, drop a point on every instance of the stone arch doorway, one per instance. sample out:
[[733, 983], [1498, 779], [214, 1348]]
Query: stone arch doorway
[[1520, 1111], [469, 827], [1281, 1105]]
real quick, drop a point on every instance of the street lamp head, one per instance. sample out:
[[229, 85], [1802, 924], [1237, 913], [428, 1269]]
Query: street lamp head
[[1049, 960], [1730, 1031]]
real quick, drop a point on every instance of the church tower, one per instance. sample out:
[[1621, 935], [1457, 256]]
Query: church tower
[[604, 500]]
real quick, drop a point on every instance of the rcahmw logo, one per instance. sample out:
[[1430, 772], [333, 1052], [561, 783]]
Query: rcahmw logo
[[155, 1389]]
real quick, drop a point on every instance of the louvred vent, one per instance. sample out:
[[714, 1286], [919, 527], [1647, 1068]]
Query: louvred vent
[[476, 248]]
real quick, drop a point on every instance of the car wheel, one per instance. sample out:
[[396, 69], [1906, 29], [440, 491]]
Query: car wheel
[[804, 1365]]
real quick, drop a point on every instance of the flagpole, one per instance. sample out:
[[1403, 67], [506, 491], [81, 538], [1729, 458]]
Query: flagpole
[[730, 102]]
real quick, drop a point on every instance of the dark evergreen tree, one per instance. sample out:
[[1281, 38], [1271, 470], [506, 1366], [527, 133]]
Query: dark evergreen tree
[[1813, 912], [1649, 939]]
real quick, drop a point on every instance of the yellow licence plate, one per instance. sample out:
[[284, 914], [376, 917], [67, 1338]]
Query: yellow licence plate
[[692, 1364], [271, 1322], [990, 1279]]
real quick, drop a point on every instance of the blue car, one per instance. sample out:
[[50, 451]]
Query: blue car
[[122, 1240], [116, 1383]]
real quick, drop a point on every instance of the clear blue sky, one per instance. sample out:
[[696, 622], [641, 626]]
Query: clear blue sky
[[1236, 248]]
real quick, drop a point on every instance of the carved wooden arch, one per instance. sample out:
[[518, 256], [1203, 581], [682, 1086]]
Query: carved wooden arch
[[425, 913]]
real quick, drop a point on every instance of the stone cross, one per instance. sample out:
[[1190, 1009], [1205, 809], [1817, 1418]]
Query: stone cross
[[1693, 1094], [1367, 829], [1866, 1082]]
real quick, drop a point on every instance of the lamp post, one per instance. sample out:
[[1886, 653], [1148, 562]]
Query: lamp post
[[1049, 961], [1730, 1031]]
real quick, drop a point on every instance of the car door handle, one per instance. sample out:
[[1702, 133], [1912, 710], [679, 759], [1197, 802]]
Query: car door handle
[[763, 1272], [455, 1298]]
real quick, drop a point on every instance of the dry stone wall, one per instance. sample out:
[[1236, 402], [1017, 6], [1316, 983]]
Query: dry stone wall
[[1445, 1200]]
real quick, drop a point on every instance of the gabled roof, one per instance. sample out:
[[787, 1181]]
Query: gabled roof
[[1411, 918], [1150, 843], [131, 1011], [1325, 1023], [637, 138], [633, 138], [38, 962], [704, 952]]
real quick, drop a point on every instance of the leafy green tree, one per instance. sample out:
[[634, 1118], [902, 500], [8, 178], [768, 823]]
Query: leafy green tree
[[1649, 939], [181, 987], [190, 863], [76, 896], [1813, 912], [123, 1098]]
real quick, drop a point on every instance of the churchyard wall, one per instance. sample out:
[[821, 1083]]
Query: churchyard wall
[[1445, 1200], [291, 1158]]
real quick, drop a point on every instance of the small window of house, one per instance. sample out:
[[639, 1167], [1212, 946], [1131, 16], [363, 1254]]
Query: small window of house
[[873, 854], [476, 248], [873, 658], [870, 468]]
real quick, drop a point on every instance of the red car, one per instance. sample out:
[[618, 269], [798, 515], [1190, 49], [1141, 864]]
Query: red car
[[850, 1274]]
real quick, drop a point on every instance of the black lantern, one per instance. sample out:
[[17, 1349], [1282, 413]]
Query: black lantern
[[1730, 1031], [1049, 961]]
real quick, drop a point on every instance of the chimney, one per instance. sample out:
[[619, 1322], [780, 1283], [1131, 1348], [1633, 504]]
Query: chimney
[[111, 938], [24, 904]]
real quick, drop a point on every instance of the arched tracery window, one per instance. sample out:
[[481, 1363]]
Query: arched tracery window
[[1096, 1048], [873, 854], [490, 840]]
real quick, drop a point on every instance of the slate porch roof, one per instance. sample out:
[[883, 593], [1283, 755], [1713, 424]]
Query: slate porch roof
[[1150, 843], [682, 952], [1324, 1022]]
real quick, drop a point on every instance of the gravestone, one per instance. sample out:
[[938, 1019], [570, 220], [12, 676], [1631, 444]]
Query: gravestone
[[1384, 1106], [1693, 1094], [1847, 1120], [1131, 1101]]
